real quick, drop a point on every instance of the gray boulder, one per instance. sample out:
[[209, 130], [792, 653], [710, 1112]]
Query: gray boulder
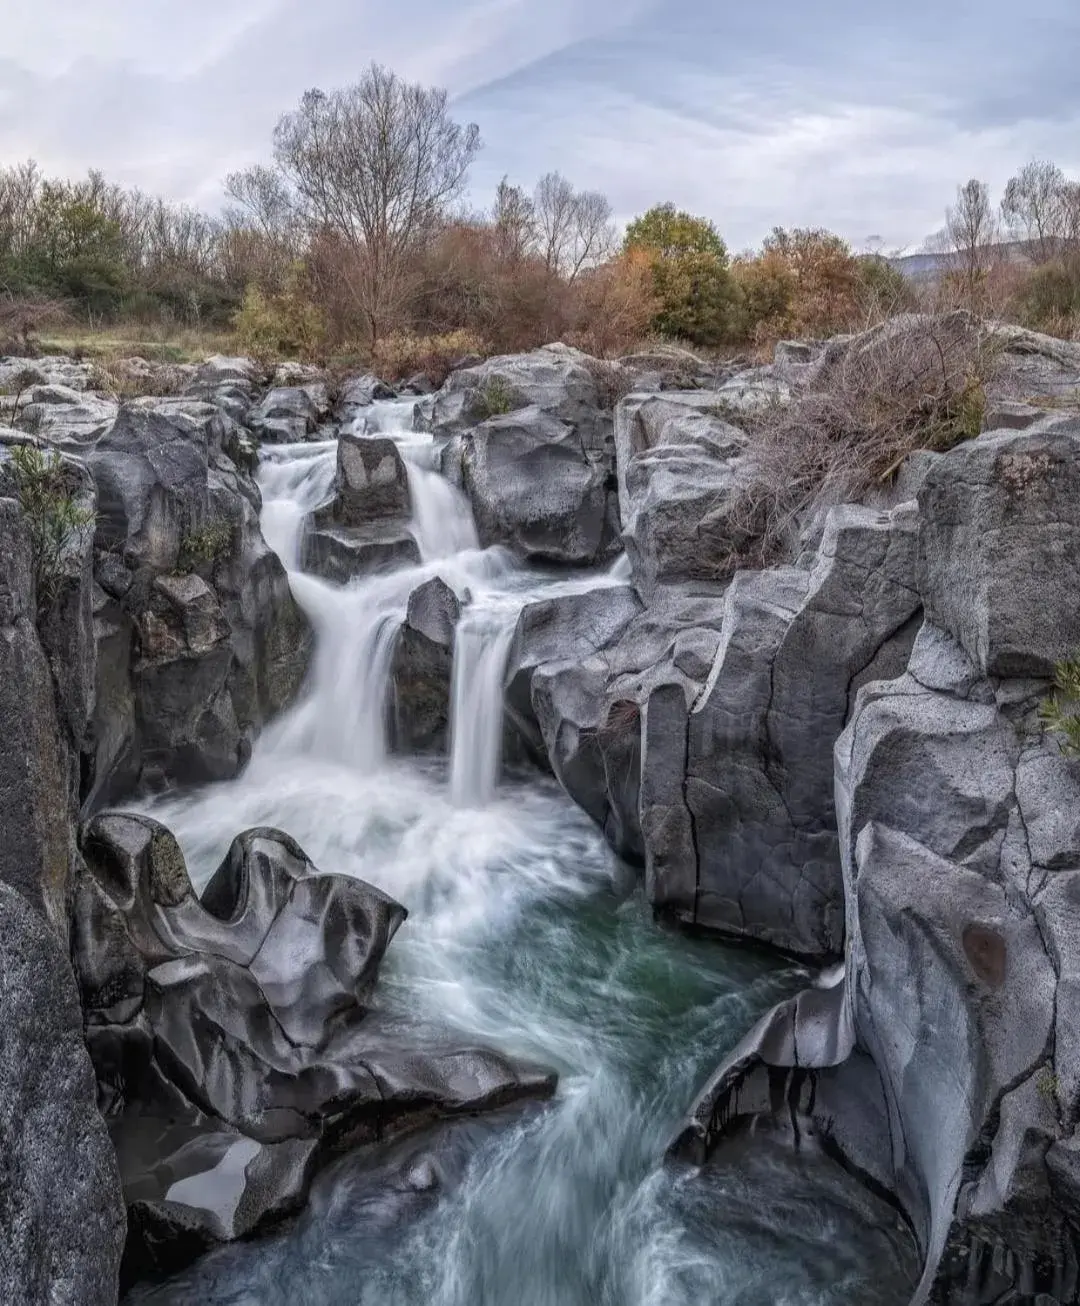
[[239, 1026], [341, 553], [534, 486], [580, 669], [289, 414], [681, 469], [358, 393], [556, 379], [736, 794], [531, 444], [422, 668], [1001, 542], [371, 484]]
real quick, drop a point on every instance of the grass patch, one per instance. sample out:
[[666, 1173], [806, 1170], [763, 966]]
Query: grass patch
[[47, 492], [203, 546], [495, 398]]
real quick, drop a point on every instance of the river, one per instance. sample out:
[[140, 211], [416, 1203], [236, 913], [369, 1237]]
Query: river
[[526, 933]]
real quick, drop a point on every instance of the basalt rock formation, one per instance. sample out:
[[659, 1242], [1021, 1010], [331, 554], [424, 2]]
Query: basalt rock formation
[[941, 1065], [232, 1035]]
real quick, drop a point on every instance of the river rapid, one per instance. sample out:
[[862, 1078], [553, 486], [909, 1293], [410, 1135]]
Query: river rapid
[[526, 933]]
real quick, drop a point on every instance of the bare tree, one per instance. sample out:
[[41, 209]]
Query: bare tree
[[263, 198], [973, 234], [20, 187], [574, 228], [513, 217], [379, 164], [1034, 208]]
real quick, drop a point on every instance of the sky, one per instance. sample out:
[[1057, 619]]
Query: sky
[[838, 113]]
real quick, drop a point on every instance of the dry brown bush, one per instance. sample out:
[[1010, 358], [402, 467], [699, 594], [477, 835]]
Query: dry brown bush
[[611, 306], [912, 383], [23, 318], [403, 354]]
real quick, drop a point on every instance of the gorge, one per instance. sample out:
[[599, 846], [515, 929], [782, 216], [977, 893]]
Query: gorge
[[738, 952]]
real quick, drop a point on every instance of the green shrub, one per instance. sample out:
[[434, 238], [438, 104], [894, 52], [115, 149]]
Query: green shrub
[[1060, 713], [45, 487], [494, 398], [271, 327], [1050, 298], [202, 546]]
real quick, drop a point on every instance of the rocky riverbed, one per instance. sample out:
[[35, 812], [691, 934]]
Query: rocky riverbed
[[414, 832]]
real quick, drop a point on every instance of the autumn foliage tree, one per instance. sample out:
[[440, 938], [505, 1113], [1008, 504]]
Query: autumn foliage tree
[[696, 296]]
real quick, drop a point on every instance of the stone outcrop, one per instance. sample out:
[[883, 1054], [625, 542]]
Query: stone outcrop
[[60, 1208], [531, 444], [365, 526], [680, 466], [736, 797], [422, 669], [940, 1065], [200, 639], [60, 1211], [233, 1032], [287, 414]]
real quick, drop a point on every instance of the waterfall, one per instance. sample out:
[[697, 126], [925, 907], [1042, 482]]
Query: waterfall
[[442, 523], [294, 480], [343, 715], [519, 936], [481, 646]]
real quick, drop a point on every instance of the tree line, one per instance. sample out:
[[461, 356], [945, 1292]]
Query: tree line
[[354, 238]]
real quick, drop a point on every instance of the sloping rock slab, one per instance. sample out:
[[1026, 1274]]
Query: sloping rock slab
[[232, 1038]]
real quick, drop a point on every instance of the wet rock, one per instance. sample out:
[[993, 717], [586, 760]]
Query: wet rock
[[946, 1073], [534, 487], [358, 393], [560, 702], [178, 542], [737, 784], [233, 1037], [422, 668], [371, 484], [531, 444], [342, 554]]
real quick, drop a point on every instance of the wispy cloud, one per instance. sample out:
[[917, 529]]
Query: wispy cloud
[[831, 114]]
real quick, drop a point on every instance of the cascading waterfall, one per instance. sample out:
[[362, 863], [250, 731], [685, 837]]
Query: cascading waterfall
[[523, 933], [481, 646]]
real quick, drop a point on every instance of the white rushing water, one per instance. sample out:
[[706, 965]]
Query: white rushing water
[[523, 933]]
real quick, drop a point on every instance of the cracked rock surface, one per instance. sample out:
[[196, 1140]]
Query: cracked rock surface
[[941, 1063]]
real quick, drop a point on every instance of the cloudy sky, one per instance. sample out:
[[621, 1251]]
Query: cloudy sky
[[800, 112]]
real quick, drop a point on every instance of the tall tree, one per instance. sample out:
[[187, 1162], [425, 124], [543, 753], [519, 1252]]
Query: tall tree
[[973, 234], [1034, 207], [379, 164], [696, 296], [513, 218], [574, 229]]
